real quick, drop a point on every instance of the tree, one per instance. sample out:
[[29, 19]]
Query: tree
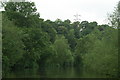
[[71, 39], [22, 13], [87, 28], [84, 24], [59, 22], [102, 58], [26, 8], [36, 46], [62, 30], [114, 18], [63, 53], [76, 26], [47, 27], [82, 47], [12, 48], [67, 24]]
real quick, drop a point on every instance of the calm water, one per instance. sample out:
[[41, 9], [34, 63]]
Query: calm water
[[69, 72]]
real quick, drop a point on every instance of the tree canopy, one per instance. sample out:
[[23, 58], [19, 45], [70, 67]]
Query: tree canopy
[[30, 42]]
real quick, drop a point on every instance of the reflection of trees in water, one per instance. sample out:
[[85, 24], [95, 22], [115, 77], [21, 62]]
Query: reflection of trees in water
[[63, 72], [53, 72]]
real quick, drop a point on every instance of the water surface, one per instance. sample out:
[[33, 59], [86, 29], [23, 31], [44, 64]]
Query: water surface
[[54, 72]]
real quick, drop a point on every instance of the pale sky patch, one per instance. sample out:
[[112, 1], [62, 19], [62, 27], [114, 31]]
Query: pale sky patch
[[90, 10]]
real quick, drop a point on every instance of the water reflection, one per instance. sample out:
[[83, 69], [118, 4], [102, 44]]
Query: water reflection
[[53, 72], [68, 72]]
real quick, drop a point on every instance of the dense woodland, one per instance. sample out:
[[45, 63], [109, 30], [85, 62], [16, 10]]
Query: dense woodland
[[30, 42]]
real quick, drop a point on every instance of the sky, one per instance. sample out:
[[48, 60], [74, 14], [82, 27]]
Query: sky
[[90, 10]]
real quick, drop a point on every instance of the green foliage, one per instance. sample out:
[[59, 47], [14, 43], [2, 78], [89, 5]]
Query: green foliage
[[76, 27], [62, 51], [67, 24], [62, 30], [36, 43], [29, 42], [114, 18], [22, 13], [103, 57], [71, 39], [26, 8], [47, 27], [59, 22], [83, 45], [12, 45], [87, 28]]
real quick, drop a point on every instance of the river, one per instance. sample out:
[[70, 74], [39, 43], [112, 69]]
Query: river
[[69, 72]]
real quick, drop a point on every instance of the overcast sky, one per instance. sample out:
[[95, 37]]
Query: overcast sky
[[90, 10]]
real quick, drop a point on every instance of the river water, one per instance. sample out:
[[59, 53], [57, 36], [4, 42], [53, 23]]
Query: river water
[[69, 72]]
